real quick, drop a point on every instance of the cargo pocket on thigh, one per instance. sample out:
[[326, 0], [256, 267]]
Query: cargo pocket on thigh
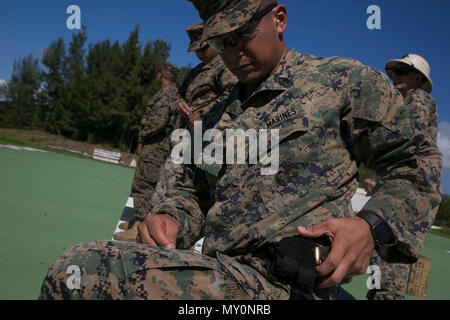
[[141, 257], [138, 264]]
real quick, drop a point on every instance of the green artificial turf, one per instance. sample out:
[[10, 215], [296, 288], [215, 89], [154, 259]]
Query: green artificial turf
[[48, 203]]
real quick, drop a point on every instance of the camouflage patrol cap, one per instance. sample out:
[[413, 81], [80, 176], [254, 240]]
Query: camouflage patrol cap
[[223, 16], [171, 68], [195, 33]]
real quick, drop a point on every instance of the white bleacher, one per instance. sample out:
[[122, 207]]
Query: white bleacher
[[108, 156]]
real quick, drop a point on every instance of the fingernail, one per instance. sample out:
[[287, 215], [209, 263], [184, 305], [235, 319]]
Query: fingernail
[[301, 228], [170, 246]]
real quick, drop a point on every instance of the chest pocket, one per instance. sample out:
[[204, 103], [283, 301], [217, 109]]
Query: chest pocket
[[297, 170]]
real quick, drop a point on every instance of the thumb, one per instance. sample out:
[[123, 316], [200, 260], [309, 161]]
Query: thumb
[[313, 231], [170, 245], [164, 242], [162, 239]]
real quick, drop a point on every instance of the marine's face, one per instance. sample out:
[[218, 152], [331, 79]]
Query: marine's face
[[206, 54], [406, 78], [253, 55], [159, 77]]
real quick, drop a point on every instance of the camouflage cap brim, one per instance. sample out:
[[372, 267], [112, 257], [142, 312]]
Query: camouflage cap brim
[[231, 19], [195, 33], [197, 45], [169, 67]]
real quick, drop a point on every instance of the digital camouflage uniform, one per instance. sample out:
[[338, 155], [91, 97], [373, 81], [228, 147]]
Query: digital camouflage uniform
[[423, 109], [204, 86], [159, 120], [331, 114], [394, 276]]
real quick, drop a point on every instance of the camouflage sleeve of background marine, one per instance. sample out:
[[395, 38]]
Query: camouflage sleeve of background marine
[[383, 136], [423, 109], [144, 127], [157, 114], [225, 80]]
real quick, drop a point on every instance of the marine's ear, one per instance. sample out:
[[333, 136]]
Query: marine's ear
[[280, 15]]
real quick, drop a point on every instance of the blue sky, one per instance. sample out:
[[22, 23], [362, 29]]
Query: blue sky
[[320, 27]]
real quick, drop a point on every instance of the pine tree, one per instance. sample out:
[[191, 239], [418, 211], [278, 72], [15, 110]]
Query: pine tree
[[76, 87], [55, 117], [23, 93]]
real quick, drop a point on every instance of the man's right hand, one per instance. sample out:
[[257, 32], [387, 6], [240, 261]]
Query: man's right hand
[[158, 230]]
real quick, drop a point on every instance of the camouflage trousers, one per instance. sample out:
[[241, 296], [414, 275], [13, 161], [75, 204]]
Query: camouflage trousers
[[170, 173], [143, 187], [394, 280], [125, 270]]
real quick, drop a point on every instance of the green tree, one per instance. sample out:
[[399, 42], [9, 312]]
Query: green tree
[[55, 116], [23, 93], [184, 71], [76, 87], [443, 214], [141, 86], [132, 89], [73, 63], [105, 73], [123, 78]]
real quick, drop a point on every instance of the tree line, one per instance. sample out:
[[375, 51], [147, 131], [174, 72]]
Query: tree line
[[96, 95]]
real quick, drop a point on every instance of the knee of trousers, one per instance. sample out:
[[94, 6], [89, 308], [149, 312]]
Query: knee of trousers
[[118, 270]]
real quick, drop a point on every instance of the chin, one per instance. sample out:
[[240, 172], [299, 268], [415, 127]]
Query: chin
[[250, 78]]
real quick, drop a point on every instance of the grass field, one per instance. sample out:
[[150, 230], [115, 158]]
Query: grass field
[[50, 202]]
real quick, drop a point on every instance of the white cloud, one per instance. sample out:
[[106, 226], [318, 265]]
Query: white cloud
[[2, 82], [443, 142]]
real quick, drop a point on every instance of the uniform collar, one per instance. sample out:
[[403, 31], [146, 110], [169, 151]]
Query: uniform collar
[[283, 78], [280, 81]]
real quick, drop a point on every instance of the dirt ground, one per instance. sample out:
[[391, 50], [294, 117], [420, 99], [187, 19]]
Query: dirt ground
[[44, 140]]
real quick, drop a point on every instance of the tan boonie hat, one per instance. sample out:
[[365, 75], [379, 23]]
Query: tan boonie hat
[[415, 61], [166, 66], [195, 33], [224, 16]]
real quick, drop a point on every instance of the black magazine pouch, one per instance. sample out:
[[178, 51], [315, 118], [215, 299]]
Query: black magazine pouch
[[293, 261]]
